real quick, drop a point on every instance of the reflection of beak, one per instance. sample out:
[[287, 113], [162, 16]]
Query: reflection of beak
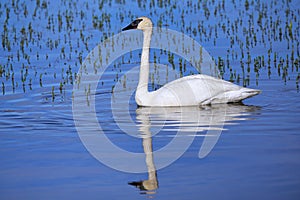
[[138, 184], [147, 185]]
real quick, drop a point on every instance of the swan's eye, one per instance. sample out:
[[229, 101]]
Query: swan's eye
[[136, 22], [133, 25]]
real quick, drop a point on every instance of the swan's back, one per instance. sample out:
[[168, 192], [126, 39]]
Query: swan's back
[[197, 90]]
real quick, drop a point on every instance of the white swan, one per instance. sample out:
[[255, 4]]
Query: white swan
[[187, 91]]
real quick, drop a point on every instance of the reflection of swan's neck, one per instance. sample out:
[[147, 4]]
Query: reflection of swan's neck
[[144, 69], [147, 145], [151, 183]]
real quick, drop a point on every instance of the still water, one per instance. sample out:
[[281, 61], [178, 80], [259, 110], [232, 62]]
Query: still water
[[242, 151]]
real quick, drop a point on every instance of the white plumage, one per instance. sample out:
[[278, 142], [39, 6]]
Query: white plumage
[[187, 91]]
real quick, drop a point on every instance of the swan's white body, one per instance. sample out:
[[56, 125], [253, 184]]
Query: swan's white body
[[187, 91], [193, 90]]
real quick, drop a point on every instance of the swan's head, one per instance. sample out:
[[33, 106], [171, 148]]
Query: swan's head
[[141, 23]]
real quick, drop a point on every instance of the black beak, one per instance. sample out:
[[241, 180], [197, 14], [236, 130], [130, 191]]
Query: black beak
[[129, 27], [133, 25]]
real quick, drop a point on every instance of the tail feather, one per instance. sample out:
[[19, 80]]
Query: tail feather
[[247, 92], [238, 95]]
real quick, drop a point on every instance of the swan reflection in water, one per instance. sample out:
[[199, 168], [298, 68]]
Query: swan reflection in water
[[193, 121]]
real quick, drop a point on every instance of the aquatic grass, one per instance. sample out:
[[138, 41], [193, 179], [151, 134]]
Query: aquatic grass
[[43, 36]]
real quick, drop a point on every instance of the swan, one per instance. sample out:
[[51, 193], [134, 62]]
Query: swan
[[193, 90]]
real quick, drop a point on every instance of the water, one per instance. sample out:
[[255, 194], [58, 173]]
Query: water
[[254, 148]]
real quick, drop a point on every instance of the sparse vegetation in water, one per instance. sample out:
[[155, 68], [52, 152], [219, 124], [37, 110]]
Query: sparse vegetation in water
[[45, 36]]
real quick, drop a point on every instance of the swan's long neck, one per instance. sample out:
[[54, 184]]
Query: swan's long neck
[[144, 69]]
